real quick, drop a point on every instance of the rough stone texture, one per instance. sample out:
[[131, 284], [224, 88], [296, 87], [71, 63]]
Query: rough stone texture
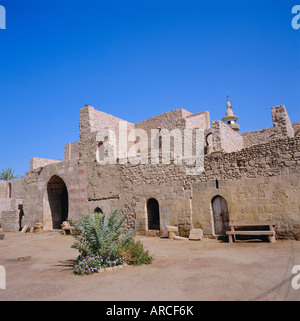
[[262, 198], [296, 127], [199, 120], [257, 173], [258, 136], [10, 214], [225, 139], [281, 121], [10, 221], [4, 189]]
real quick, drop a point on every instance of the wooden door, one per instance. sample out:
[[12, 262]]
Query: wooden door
[[221, 215]]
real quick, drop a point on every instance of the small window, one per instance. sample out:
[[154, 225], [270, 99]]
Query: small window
[[217, 184], [9, 190], [100, 151]]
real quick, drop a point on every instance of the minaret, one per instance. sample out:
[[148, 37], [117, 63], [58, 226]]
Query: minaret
[[230, 118]]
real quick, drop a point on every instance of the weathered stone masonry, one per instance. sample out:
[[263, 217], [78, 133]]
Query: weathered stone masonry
[[257, 173]]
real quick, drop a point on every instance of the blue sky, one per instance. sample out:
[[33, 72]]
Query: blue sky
[[137, 59]]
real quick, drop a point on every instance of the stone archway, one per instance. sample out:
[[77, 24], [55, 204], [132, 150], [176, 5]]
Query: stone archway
[[153, 214], [98, 210], [56, 205]]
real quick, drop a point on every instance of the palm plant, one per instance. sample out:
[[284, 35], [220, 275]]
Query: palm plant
[[101, 232], [7, 175]]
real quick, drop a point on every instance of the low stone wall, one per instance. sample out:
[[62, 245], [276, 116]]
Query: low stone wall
[[10, 211], [10, 221]]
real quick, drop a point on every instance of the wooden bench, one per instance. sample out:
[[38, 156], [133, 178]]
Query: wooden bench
[[270, 232]]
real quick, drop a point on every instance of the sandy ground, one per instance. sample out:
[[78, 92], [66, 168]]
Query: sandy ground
[[181, 270]]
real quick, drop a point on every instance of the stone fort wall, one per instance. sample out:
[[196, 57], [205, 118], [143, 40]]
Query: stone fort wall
[[256, 174]]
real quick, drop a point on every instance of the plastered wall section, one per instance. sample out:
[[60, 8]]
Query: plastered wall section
[[71, 151], [3, 189], [169, 120], [200, 120], [36, 162], [12, 189], [225, 139], [92, 121]]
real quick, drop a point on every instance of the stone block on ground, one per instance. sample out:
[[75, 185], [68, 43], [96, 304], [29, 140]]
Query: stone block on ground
[[171, 231], [25, 229], [196, 234], [24, 258], [172, 228], [152, 233]]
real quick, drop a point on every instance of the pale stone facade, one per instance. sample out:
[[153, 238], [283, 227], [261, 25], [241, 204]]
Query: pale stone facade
[[256, 173]]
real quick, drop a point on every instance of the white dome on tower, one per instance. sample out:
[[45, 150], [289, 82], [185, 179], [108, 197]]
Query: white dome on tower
[[230, 118]]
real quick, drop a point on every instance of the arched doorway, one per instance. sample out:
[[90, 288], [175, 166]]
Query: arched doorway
[[153, 214], [58, 201], [98, 210], [220, 215]]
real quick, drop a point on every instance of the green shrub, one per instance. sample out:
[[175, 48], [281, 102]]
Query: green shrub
[[102, 243], [135, 253], [102, 232]]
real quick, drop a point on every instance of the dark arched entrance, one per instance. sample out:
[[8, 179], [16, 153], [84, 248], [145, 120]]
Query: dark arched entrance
[[58, 201], [98, 210], [220, 214], [153, 214]]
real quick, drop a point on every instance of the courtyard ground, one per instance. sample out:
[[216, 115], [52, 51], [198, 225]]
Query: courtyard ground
[[181, 270]]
